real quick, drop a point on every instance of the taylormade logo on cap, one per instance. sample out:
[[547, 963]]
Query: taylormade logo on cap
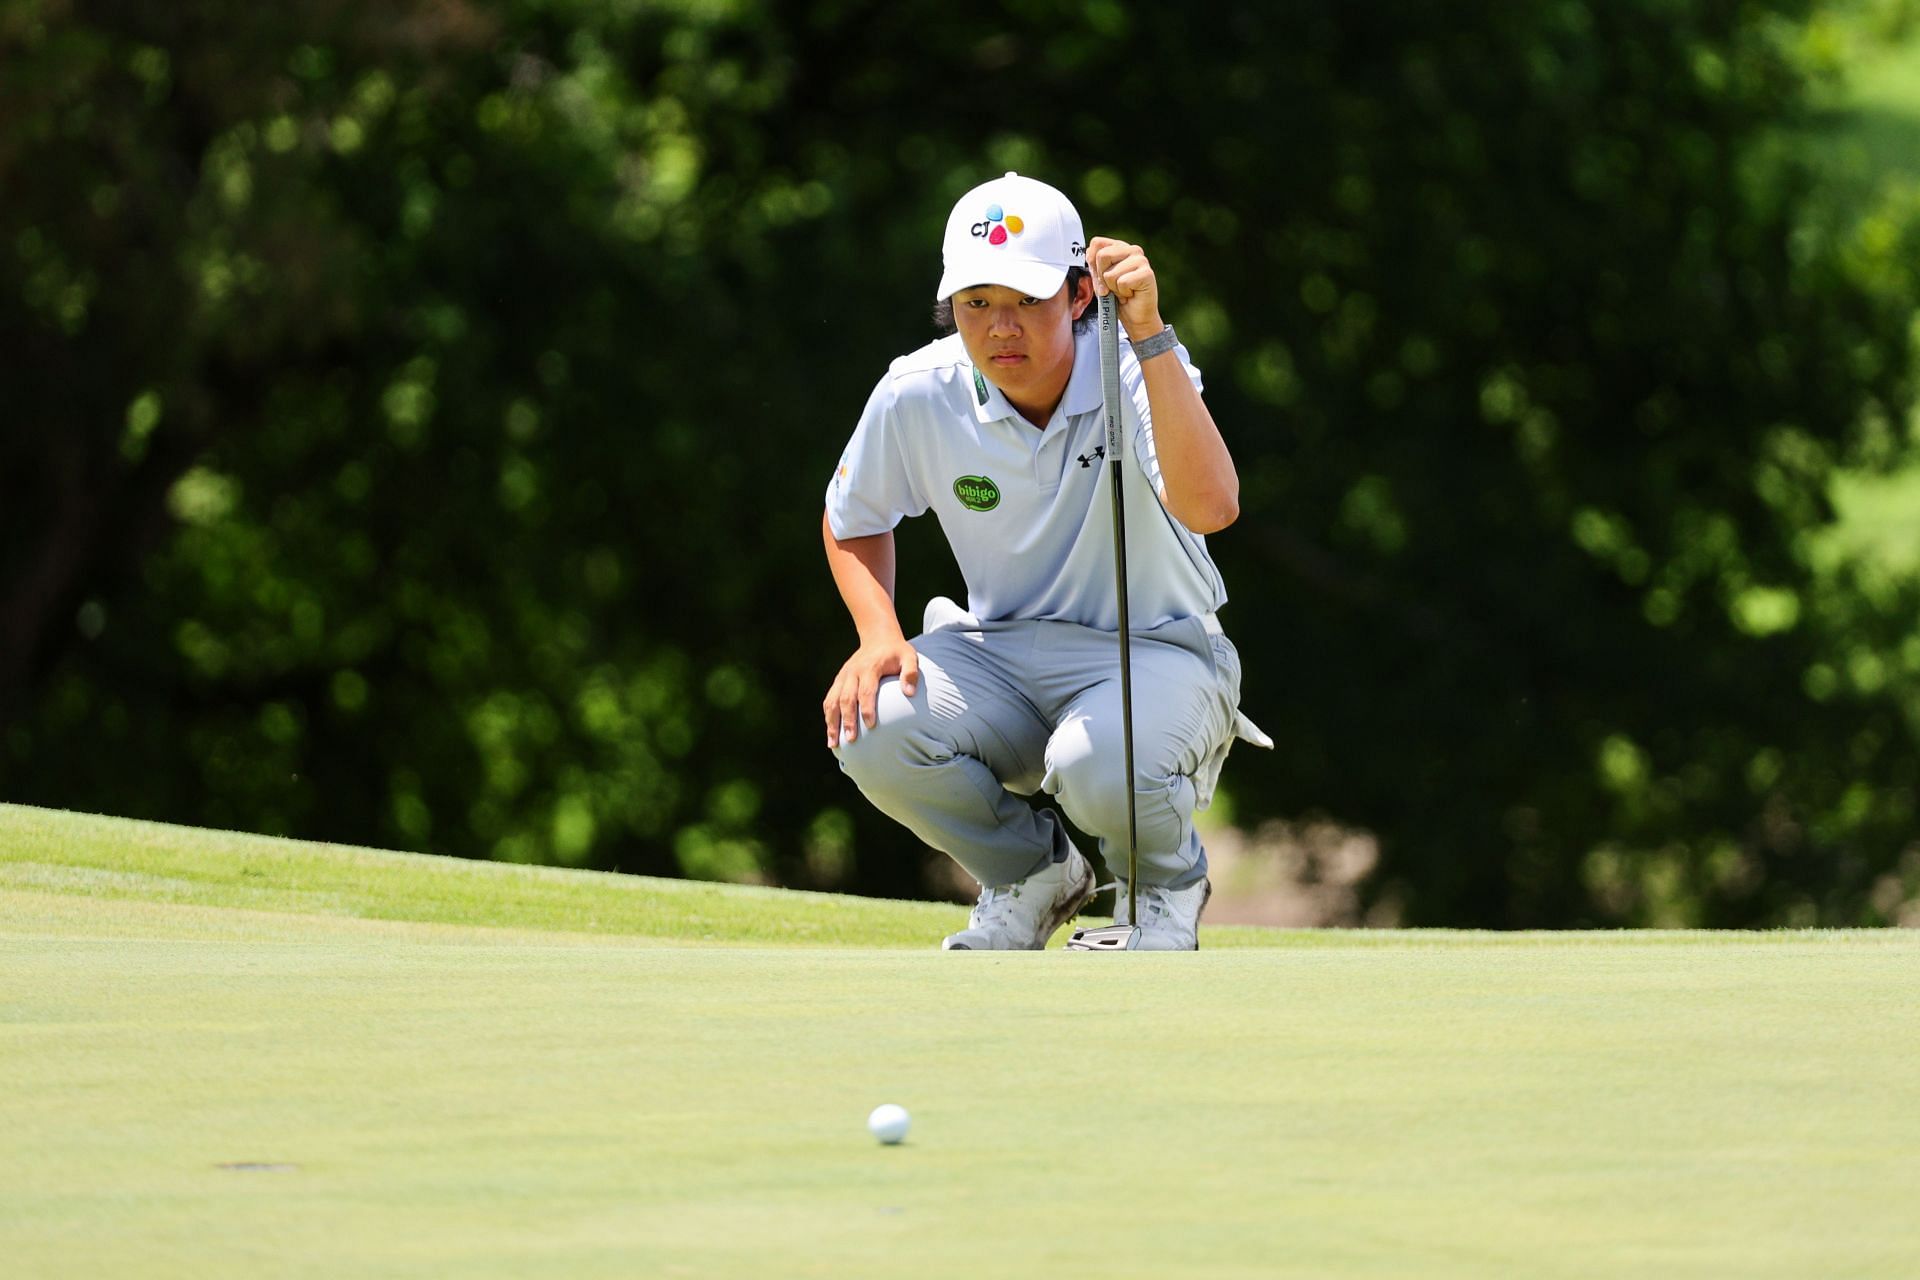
[[1013, 231]]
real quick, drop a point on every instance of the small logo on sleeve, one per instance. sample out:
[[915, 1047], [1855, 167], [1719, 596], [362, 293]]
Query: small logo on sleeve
[[977, 493]]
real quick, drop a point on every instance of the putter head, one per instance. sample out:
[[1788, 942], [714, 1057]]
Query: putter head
[[1108, 937]]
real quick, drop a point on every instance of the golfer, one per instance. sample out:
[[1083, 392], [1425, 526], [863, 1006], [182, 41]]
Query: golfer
[[997, 429]]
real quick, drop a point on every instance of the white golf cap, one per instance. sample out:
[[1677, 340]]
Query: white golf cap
[[1013, 231]]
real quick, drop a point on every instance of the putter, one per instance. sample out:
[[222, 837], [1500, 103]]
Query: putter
[[1117, 937]]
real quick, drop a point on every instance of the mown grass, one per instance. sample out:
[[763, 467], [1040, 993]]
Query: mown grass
[[425, 1067], [144, 864], [125, 878]]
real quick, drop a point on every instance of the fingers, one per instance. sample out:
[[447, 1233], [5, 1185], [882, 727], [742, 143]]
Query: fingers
[[1104, 251], [854, 698], [1096, 254], [849, 708], [1119, 268], [832, 710], [1130, 279], [841, 706]]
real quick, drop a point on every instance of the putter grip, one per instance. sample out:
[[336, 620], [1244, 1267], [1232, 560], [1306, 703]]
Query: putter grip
[[1110, 372]]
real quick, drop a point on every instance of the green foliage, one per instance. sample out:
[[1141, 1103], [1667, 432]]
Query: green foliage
[[418, 415]]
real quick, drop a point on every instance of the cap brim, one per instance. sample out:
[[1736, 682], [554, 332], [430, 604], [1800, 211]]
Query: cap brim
[[1034, 279]]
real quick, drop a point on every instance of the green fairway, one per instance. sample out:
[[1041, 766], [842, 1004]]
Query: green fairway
[[501, 1090]]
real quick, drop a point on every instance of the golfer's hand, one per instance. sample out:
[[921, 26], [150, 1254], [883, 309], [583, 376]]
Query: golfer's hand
[[855, 694], [1122, 269]]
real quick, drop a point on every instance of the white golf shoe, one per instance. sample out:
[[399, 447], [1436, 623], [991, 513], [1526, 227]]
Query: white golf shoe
[[1169, 918], [1023, 915]]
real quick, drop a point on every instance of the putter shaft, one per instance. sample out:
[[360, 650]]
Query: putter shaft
[[1110, 400]]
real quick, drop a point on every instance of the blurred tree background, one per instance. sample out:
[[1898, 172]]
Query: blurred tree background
[[415, 415]]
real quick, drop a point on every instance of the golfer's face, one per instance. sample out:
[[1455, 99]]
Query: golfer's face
[[1023, 345]]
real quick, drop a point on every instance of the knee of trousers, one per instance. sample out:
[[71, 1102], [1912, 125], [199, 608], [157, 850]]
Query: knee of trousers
[[1093, 791], [883, 758]]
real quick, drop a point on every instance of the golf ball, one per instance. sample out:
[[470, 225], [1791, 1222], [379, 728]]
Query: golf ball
[[889, 1123]]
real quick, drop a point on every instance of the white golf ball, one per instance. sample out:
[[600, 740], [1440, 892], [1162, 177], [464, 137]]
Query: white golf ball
[[889, 1123]]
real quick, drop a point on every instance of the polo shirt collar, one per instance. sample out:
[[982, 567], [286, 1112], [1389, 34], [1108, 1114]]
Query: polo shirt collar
[[1083, 384], [990, 404]]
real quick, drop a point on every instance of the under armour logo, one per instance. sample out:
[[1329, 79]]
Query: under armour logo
[[1088, 459]]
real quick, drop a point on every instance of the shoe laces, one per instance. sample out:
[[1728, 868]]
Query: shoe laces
[[1153, 900], [1157, 896], [995, 905]]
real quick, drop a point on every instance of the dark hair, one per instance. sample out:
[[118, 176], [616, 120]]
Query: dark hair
[[943, 309]]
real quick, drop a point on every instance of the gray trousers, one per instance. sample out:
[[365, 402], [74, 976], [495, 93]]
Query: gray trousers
[[1024, 706]]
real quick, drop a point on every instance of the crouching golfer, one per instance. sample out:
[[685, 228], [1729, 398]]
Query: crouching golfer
[[997, 428]]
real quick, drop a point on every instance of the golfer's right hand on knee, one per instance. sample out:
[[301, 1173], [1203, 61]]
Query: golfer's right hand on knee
[[855, 694]]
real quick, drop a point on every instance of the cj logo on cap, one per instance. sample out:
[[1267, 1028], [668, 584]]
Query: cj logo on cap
[[998, 225]]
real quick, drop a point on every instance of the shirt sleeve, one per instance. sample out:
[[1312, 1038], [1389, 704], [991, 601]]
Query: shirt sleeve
[[873, 488], [1138, 413]]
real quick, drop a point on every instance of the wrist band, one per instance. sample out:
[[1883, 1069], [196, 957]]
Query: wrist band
[[1148, 348]]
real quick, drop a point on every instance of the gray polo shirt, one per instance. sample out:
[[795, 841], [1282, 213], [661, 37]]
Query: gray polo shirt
[[1028, 513]]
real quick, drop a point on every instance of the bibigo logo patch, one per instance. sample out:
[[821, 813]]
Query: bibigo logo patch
[[977, 493], [998, 225]]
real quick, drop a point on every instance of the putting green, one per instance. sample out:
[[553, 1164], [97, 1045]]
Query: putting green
[[481, 1097]]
